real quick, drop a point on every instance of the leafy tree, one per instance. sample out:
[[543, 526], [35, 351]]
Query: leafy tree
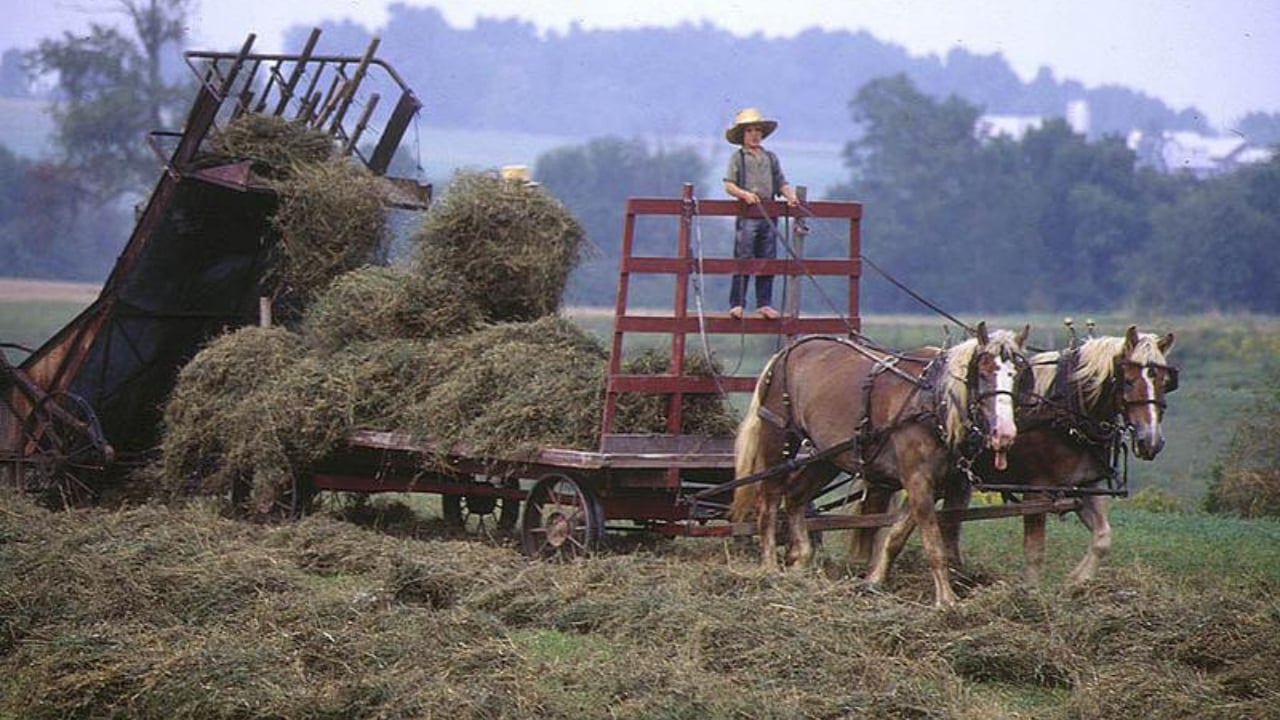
[[1214, 246], [111, 91], [914, 165], [1090, 214], [45, 230]]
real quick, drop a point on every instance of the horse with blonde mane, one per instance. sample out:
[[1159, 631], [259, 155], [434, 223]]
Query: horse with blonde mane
[[1088, 402], [858, 408]]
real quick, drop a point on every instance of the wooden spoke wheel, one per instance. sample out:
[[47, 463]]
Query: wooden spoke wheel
[[481, 513], [288, 503], [64, 452], [562, 519]]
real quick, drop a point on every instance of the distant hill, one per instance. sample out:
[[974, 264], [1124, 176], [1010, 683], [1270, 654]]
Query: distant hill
[[689, 80], [666, 84]]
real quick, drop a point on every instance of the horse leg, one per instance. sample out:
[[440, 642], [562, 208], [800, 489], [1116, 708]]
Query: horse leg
[[767, 501], [888, 541], [920, 499], [888, 544], [1093, 513], [799, 548], [1032, 548], [801, 488], [862, 541], [956, 497]]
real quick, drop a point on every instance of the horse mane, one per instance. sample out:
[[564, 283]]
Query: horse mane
[[955, 381], [1096, 361], [1044, 368]]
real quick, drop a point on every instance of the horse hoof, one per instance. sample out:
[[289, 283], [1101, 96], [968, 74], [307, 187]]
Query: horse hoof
[[866, 587]]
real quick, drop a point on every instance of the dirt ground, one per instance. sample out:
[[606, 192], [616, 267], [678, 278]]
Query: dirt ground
[[25, 289]]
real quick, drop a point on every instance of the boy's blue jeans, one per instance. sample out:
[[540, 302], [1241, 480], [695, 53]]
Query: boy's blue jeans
[[754, 238]]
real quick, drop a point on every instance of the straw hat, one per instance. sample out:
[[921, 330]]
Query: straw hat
[[745, 117]]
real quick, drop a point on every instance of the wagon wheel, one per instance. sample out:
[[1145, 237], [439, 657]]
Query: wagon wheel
[[64, 450], [562, 519], [464, 511], [290, 503]]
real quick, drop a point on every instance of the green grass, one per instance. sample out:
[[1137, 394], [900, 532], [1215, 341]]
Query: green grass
[[1201, 550], [30, 323]]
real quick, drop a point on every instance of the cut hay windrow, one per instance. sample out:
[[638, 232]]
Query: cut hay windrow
[[156, 612]]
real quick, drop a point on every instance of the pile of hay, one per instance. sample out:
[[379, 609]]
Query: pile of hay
[[1247, 481], [513, 241], [699, 415], [330, 220], [251, 410], [385, 303], [274, 144], [461, 347], [155, 612], [259, 407]]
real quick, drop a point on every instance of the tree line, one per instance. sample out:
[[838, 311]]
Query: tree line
[[1050, 221]]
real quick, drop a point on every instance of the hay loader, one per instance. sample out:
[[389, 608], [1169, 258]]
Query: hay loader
[[83, 409]]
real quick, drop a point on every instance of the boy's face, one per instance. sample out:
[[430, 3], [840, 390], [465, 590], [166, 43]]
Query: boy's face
[[752, 136]]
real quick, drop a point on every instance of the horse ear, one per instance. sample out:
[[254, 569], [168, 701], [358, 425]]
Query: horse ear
[[1130, 338], [1022, 336], [982, 333], [1165, 343]]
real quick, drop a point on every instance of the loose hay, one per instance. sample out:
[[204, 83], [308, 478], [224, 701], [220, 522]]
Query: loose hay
[[331, 220], [513, 241], [275, 145], [389, 303], [251, 410], [156, 612]]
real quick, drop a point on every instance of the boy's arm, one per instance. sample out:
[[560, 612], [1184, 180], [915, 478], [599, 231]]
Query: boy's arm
[[780, 182], [745, 196], [789, 193]]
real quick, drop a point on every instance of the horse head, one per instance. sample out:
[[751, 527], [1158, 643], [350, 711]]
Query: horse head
[[1144, 378], [995, 364], [1127, 378]]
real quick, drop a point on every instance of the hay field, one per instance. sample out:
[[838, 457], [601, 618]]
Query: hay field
[[368, 610]]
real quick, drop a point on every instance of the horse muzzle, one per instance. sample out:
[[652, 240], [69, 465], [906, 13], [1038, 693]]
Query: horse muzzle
[[1147, 442], [999, 444]]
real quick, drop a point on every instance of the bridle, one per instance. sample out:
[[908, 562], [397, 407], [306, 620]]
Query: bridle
[[1170, 382], [979, 423]]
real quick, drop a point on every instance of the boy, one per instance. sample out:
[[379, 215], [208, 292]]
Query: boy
[[753, 175]]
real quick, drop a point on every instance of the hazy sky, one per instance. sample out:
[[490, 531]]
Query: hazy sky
[[1222, 56]]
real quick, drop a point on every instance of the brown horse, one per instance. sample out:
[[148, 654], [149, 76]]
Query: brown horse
[[1088, 401], [905, 415]]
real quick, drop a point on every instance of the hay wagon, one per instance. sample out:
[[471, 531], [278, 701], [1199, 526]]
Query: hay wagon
[[669, 484]]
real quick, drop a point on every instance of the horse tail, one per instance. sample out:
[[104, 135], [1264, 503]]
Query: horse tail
[[748, 452]]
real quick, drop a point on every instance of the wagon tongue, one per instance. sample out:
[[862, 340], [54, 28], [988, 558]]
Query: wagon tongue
[[1001, 460]]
